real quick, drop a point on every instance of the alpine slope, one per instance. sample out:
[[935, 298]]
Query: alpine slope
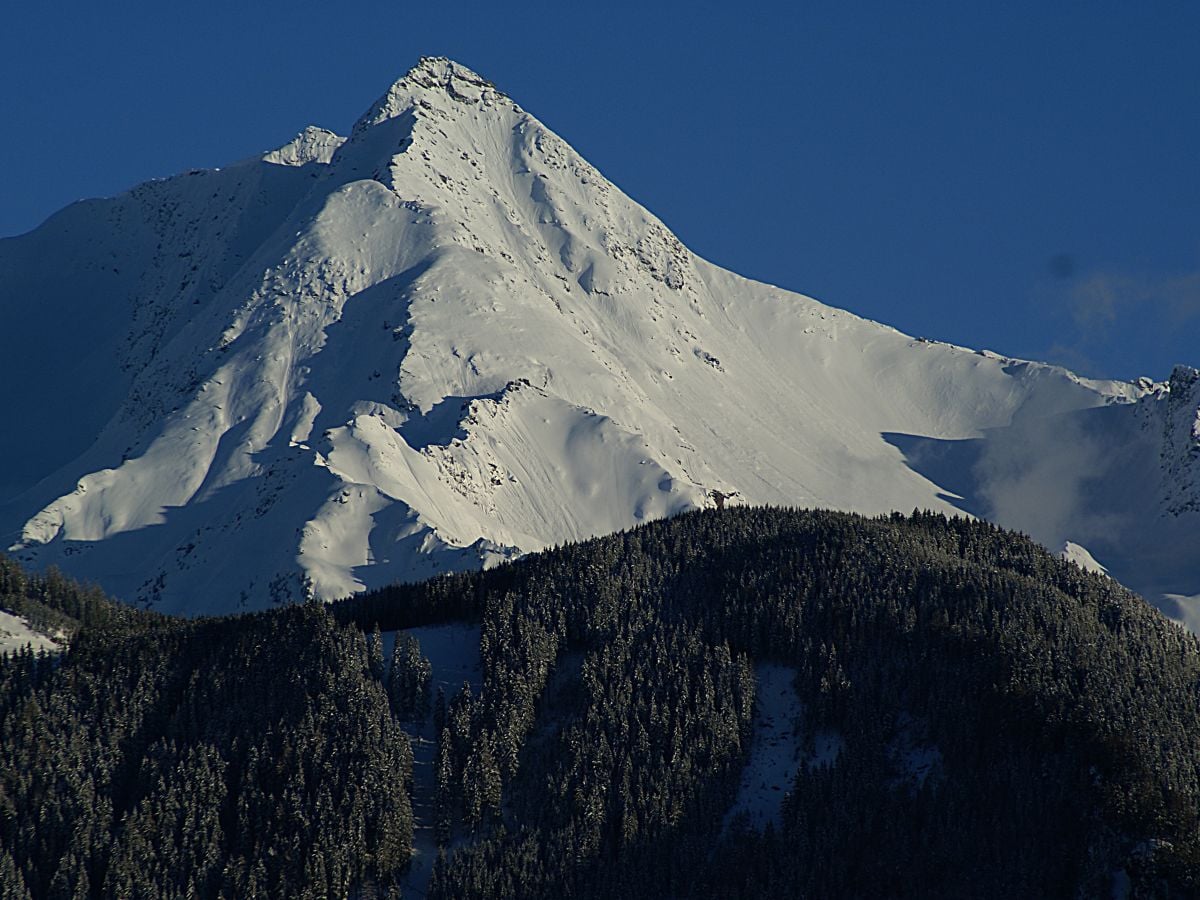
[[446, 340]]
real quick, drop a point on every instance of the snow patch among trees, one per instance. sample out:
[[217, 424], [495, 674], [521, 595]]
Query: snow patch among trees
[[775, 749], [16, 634]]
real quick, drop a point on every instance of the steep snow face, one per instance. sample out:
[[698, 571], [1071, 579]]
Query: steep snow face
[[446, 340]]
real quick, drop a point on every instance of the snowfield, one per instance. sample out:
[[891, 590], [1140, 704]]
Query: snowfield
[[446, 340]]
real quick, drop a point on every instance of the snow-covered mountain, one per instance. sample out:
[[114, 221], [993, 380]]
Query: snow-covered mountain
[[446, 339]]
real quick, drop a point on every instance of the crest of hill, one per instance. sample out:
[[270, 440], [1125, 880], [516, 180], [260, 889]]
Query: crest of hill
[[614, 715]]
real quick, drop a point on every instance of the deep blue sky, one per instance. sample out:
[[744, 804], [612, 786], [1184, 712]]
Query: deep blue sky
[[1024, 178]]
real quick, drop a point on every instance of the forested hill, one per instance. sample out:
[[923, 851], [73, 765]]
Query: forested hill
[[972, 718], [605, 749], [241, 757]]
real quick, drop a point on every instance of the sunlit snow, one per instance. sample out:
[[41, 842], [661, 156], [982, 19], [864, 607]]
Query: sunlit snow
[[15, 634], [447, 340]]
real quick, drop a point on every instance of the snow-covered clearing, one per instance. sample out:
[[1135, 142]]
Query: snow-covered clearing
[[15, 633], [776, 748], [453, 653]]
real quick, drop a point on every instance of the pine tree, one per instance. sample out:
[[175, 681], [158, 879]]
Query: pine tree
[[409, 680], [375, 654]]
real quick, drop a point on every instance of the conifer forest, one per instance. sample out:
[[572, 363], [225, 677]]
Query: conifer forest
[[970, 717]]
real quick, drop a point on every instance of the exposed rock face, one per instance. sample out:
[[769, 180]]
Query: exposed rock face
[[1181, 442]]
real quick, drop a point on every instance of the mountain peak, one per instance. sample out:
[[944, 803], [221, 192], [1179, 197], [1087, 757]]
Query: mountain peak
[[432, 80]]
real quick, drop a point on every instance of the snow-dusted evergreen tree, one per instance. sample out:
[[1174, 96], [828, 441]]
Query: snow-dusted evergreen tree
[[375, 654], [409, 680]]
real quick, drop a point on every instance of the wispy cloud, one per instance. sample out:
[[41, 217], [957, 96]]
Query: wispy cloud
[[1100, 299], [1102, 313], [1039, 477]]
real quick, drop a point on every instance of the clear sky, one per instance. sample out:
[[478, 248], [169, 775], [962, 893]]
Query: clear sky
[[1021, 176]]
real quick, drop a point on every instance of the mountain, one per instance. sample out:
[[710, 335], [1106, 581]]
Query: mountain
[[446, 340]]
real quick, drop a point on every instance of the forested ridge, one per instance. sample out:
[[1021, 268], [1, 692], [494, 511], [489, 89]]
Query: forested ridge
[[602, 755], [247, 757]]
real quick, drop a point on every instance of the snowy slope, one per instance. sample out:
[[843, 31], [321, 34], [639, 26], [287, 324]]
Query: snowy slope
[[16, 634], [447, 339]]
